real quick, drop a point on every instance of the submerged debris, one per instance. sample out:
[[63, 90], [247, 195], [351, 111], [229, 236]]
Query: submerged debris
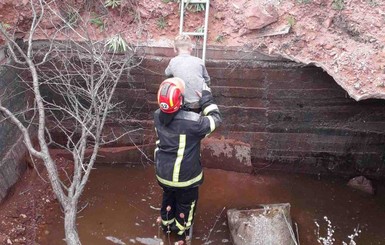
[[115, 240]]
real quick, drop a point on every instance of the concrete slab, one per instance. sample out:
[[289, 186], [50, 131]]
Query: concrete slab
[[269, 224]]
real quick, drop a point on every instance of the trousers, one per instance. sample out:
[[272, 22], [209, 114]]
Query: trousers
[[178, 209]]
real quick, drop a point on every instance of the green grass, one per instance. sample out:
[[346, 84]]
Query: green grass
[[112, 3], [161, 23], [98, 22], [290, 20], [338, 4], [219, 39]]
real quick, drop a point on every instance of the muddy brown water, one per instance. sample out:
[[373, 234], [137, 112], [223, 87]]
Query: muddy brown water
[[122, 202]]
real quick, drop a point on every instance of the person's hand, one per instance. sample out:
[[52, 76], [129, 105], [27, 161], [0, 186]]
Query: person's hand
[[204, 87]]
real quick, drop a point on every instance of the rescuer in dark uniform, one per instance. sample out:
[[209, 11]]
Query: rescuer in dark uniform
[[177, 154]]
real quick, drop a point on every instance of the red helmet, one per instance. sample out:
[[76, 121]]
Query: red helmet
[[170, 95]]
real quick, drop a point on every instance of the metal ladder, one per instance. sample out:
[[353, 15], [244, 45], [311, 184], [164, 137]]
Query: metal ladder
[[204, 33]]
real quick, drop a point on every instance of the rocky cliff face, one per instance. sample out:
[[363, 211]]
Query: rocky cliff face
[[344, 37]]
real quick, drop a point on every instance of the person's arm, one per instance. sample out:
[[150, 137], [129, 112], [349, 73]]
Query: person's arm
[[206, 76], [212, 118], [168, 71]]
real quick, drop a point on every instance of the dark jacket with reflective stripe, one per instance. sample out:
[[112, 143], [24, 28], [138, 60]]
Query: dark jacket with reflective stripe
[[177, 156]]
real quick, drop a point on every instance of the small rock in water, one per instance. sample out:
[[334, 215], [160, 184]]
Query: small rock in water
[[115, 240], [361, 183]]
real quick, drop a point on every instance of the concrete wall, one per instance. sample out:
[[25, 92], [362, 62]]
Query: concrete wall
[[12, 149], [295, 118]]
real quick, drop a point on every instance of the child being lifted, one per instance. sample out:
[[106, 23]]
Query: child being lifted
[[190, 69]]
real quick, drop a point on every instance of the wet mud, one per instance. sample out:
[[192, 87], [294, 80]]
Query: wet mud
[[120, 206]]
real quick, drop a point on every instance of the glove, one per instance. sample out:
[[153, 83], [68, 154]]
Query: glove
[[206, 99]]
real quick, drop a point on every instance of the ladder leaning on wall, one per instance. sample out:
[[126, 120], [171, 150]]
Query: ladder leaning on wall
[[183, 4]]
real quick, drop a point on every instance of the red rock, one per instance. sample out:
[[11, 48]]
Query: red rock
[[226, 154], [258, 17]]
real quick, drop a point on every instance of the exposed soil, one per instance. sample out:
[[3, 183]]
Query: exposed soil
[[344, 37], [24, 212]]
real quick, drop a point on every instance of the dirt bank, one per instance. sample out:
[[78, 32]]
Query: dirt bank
[[29, 207], [344, 37]]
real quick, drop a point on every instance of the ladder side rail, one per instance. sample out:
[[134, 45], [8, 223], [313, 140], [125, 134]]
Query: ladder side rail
[[181, 17], [205, 31]]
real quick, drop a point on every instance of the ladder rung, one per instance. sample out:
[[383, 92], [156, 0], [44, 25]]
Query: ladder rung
[[194, 1], [194, 33]]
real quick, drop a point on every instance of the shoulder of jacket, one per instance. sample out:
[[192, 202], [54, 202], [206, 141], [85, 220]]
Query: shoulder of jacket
[[188, 115]]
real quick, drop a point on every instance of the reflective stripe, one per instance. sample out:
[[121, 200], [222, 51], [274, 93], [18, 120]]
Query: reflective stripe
[[171, 94], [190, 215], [180, 184], [168, 222], [180, 227], [212, 125], [156, 149], [210, 108], [178, 161]]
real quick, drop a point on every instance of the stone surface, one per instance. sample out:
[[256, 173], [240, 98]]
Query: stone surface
[[12, 165], [226, 154], [141, 154], [361, 183], [12, 149], [259, 16], [294, 118]]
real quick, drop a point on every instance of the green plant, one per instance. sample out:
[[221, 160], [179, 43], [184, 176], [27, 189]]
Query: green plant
[[98, 21], [373, 3], [290, 20], [116, 44], [195, 7], [219, 38], [161, 22], [72, 18], [4, 26], [303, 1], [338, 4], [200, 29], [112, 3]]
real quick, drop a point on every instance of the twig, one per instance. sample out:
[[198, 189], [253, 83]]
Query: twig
[[290, 228], [212, 228]]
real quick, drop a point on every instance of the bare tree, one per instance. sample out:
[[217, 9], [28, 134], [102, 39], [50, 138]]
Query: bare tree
[[83, 75]]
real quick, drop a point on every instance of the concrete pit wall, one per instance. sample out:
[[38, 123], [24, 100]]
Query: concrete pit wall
[[294, 118], [12, 149]]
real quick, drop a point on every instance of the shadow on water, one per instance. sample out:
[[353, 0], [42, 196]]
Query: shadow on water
[[123, 202]]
